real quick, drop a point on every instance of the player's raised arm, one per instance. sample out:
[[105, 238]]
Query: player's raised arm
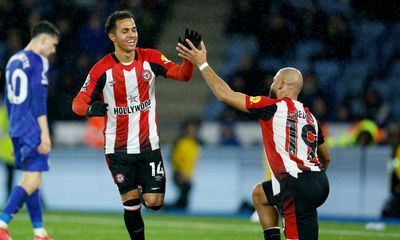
[[184, 72], [218, 86]]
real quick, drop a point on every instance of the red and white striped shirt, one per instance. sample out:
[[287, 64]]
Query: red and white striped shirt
[[131, 121], [291, 135]]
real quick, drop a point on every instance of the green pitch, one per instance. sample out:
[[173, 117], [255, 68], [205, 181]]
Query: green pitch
[[93, 226]]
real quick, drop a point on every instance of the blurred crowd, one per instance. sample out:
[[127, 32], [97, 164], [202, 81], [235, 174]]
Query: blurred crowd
[[83, 40], [348, 52]]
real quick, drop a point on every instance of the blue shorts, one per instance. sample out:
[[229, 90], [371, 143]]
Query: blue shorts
[[27, 158]]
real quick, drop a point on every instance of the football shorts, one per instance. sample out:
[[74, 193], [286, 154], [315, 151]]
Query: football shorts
[[27, 158], [131, 171]]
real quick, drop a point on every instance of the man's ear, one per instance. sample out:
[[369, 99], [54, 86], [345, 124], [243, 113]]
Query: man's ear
[[43, 39], [281, 83], [111, 36]]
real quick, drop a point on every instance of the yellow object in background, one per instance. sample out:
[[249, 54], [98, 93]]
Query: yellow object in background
[[184, 155], [6, 148], [267, 169]]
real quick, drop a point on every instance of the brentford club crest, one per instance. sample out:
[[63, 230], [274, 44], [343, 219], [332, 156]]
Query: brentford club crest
[[147, 75], [120, 178]]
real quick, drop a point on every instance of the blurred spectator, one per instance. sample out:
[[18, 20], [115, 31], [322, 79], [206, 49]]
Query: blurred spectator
[[14, 41], [6, 148], [68, 43], [320, 109], [247, 79], [228, 136], [386, 10], [243, 18], [338, 41], [7, 10], [375, 107], [94, 136], [275, 38], [313, 21], [92, 39], [363, 132], [310, 91], [343, 113], [391, 209], [184, 155]]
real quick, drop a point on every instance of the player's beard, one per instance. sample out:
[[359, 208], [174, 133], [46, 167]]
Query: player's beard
[[272, 94]]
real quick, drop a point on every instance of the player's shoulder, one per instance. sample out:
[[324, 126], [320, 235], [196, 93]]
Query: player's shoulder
[[37, 60], [152, 55], [27, 59], [23, 56], [147, 51], [104, 64], [261, 100]]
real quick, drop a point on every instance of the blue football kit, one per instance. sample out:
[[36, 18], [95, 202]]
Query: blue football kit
[[26, 100]]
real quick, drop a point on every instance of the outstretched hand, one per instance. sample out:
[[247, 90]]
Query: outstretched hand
[[193, 36], [194, 55]]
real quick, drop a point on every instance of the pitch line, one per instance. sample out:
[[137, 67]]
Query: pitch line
[[197, 225]]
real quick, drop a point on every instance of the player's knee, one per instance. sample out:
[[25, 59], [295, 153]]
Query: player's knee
[[153, 203], [258, 194], [30, 183], [132, 205], [153, 200]]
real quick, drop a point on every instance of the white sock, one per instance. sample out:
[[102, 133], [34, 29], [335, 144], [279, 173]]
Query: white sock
[[3, 224], [40, 232]]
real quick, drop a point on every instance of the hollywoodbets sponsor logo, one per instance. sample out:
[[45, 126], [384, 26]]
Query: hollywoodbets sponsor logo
[[143, 106]]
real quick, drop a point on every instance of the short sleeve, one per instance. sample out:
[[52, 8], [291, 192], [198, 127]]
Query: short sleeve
[[261, 106], [39, 77], [160, 64], [94, 81]]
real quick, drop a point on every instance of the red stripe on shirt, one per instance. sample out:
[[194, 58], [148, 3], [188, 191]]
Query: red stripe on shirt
[[120, 98], [274, 159]]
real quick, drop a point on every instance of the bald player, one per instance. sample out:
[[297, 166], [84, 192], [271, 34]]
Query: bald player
[[294, 146]]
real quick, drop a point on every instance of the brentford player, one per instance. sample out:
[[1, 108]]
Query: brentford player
[[294, 145], [121, 87]]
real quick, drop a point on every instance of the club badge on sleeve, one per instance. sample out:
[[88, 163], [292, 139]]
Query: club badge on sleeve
[[254, 100]]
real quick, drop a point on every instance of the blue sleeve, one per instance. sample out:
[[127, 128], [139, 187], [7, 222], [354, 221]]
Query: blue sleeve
[[39, 87], [39, 100]]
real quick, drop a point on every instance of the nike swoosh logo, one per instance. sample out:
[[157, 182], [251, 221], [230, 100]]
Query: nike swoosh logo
[[154, 188]]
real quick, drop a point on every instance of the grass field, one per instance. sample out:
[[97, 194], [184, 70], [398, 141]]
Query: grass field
[[94, 226]]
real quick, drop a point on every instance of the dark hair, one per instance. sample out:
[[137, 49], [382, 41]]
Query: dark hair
[[45, 27], [191, 121], [114, 17]]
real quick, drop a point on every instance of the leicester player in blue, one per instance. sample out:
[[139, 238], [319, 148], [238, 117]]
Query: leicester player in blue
[[26, 101]]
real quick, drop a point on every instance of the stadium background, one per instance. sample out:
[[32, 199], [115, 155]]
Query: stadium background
[[348, 51]]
